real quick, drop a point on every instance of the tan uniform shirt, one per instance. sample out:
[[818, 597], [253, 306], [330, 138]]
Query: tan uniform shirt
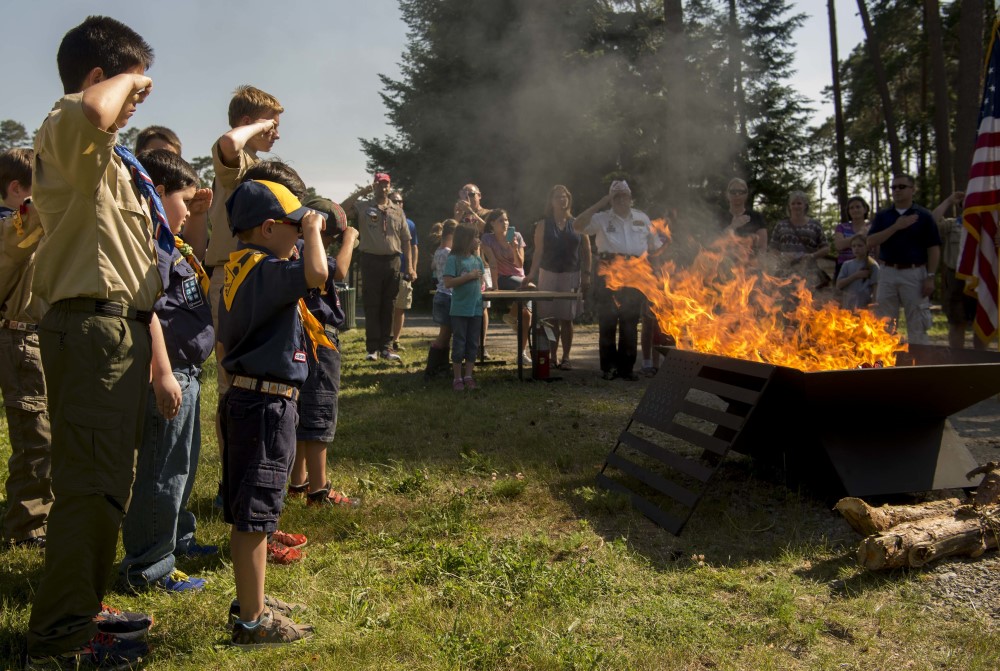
[[223, 242], [382, 229], [98, 232], [19, 237]]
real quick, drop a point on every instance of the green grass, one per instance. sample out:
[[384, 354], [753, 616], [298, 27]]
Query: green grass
[[483, 543]]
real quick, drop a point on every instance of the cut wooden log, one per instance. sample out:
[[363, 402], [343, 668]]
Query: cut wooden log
[[868, 520], [988, 491], [968, 531]]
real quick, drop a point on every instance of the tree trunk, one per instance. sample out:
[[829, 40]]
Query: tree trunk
[[915, 544], [882, 84], [867, 520], [739, 97], [971, 27], [838, 116], [675, 149], [939, 82]]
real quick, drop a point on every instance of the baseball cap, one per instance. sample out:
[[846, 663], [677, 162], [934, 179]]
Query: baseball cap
[[382, 177], [619, 186], [256, 201], [335, 214]]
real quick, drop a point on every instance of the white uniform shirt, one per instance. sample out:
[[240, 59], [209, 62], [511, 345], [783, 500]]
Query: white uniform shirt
[[632, 234]]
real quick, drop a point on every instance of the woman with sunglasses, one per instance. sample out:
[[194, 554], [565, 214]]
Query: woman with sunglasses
[[741, 220]]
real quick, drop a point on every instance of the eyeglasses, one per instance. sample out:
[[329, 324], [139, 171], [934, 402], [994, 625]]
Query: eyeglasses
[[737, 192], [900, 187], [474, 193], [398, 201]]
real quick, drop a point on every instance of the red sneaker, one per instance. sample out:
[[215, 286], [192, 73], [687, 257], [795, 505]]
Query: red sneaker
[[289, 540], [282, 554]]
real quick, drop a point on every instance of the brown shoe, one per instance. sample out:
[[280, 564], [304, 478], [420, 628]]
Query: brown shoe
[[270, 629]]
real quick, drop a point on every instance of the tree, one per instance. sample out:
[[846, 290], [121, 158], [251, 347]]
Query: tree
[[888, 111], [939, 83], [13, 134], [838, 114], [128, 137], [971, 27], [206, 172]]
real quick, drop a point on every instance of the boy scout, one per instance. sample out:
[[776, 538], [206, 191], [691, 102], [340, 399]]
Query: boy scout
[[95, 269], [157, 525], [29, 494], [269, 336]]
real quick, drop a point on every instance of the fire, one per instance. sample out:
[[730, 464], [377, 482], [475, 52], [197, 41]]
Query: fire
[[723, 304]]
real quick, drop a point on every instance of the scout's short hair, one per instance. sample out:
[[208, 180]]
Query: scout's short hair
[[168, 170], [100, 42], [150, 133], [15, 164], [252, 102], [280, 172]]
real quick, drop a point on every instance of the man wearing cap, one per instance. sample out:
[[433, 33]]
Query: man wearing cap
[[622, 232], [269, 337], [385, 239], [910, 249]]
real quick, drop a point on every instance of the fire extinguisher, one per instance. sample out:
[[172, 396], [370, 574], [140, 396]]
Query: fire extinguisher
[[540, 355]]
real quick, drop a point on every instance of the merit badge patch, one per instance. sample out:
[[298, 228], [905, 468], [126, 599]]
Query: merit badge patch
[[192, 292], [299, 356]]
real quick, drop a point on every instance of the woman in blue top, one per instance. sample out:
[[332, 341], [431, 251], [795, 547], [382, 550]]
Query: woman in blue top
[[560, 263]]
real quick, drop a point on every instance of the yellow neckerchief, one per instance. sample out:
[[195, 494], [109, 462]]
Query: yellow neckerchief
[[240, 264], [188, 253]]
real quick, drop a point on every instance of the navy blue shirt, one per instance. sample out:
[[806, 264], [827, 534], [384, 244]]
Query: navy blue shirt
[[908, 246], [561, 251], [184, 313], [262, 332]]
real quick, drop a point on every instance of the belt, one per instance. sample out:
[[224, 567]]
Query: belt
[[266, 387], [107, 309], [18, 326], [904, 266], [605, 256]]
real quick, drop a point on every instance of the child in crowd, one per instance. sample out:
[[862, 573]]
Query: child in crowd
[[463, 274], [96, 272], [442, 233], [269, 336], [858, 277], [158, 526], [157, 137], [29, 493]]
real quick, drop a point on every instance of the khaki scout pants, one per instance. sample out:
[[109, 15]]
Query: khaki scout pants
[[97, 374], [29, 490]]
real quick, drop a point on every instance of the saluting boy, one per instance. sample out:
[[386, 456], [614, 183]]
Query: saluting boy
[[96, 268], [269, 337]]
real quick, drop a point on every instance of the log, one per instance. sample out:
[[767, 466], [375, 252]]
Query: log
[[968, 531], [867, 520], [988, 491]]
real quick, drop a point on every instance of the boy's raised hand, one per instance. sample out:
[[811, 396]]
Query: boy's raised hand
[[201, 202], [313, 221]]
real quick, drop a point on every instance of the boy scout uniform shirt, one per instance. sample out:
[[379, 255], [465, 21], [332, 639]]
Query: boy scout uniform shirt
[[223, 242], [19, 237], [325, 305], [262, 331], [382, 230], [632, 235], [184, 313], [98, 232]]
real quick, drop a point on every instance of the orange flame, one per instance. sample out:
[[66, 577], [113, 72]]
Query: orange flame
[[723, 304]]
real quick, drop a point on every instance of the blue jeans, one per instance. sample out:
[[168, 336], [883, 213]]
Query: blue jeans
[[465, 334], [157, 523]]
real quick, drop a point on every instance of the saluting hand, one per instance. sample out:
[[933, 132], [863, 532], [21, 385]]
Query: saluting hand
[[313, 221], [201, 202]]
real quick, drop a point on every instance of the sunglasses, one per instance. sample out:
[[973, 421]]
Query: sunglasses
[[398, 201], [289, 222], [474, 193], [737, 192], [900, 187]]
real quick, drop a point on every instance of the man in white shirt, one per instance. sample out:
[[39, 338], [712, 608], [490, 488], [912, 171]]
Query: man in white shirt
[[622, 232]]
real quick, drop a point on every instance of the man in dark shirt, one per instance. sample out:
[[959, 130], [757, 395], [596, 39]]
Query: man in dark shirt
[[909, 252]]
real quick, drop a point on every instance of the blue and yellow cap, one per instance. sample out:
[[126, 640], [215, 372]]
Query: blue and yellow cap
[[255, 201]]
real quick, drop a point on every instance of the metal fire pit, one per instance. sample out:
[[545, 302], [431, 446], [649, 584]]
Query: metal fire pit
[[861, 432]]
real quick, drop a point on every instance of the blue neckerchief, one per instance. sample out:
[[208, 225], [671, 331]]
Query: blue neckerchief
[[161, 227]]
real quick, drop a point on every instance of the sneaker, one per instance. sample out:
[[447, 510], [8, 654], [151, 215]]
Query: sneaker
[[648, 371], [609, 375], [122, 623], [396, 347], [525, 359], [371, 356], [457, 384], [389, 355], [289, 540], [272, 628], [283, 607], [104, 651], [178, 581], [298, 491], [219, 502], [469, 383], [330, 497], [195, 550], [282, 554], [487, 356]]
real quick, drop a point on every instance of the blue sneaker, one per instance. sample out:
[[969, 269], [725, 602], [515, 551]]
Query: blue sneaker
[[104, 651], [178, 581], [194, 550]]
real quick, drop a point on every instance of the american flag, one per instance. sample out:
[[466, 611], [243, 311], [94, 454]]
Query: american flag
[[977, 261]]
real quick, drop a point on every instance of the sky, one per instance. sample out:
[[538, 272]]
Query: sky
[[322, 60]]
